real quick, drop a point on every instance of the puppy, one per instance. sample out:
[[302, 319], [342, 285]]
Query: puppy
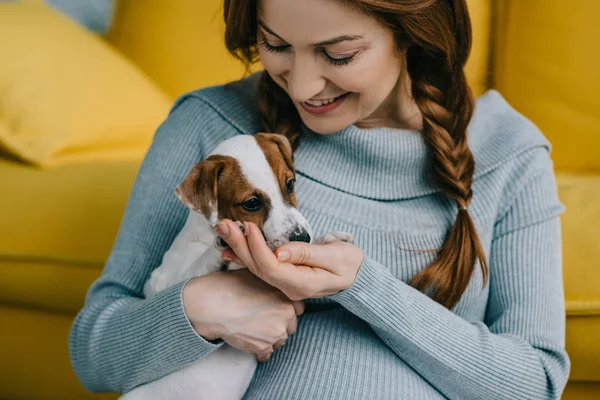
[[246, 178]]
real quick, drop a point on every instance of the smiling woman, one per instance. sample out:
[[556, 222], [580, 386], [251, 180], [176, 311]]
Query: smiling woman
[[338, 66], [453, 285]]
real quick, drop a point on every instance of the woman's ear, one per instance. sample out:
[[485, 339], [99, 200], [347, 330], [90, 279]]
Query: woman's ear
[[199, 189]]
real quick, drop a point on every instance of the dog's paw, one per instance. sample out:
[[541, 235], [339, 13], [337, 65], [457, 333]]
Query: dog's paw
[[334, 237]]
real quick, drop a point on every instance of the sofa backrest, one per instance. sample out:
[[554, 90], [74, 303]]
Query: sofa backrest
[[546, 62]]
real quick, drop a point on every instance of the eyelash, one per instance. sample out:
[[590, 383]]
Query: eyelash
[[333, 61]]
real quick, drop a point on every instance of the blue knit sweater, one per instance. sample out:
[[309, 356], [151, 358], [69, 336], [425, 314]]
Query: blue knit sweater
[[380, 338]]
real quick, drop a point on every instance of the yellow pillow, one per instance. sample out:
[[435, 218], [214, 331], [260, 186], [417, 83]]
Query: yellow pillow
[[66, 95]]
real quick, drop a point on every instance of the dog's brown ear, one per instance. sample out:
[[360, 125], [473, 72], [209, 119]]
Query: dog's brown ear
[[282, 143], [199, 189]]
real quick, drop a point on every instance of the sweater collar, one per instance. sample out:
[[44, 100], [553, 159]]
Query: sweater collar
[[377, 163], [393, 164]]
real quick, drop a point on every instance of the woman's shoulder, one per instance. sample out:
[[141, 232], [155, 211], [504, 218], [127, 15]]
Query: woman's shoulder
[[512, 152], [500, 135], [232, 103], [199, 120]]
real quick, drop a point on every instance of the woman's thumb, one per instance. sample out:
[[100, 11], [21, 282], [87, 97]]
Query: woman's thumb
[[301, 253]]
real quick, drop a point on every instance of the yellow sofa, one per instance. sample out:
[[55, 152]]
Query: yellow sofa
[[55, 234]]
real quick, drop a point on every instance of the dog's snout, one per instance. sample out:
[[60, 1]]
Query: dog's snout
[[300, 236]]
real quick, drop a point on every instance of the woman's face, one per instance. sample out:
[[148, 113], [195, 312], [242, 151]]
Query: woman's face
[[339, 66]]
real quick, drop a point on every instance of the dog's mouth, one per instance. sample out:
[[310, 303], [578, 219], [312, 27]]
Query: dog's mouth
[[272, 244]]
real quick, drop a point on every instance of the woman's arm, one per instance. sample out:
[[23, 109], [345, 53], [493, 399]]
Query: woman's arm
[[519, 352], [120, 340]]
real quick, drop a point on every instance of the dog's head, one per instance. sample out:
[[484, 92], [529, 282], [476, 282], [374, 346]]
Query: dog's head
[[249, 179]]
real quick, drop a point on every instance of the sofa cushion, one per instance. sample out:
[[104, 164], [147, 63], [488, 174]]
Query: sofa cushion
[[582, 346], [581, 252], [66, 95], [57, 229], [581, 258], [35, 358]]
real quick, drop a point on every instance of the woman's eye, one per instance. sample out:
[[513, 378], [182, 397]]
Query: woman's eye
[[330, 60], [252, 204], [290, 185], [338, 61], [273, 49]]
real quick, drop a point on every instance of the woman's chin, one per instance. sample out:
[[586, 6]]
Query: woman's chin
[[325, 125]]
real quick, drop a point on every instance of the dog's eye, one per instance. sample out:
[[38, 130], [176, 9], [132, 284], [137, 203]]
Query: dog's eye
[[252, 204], [290, 185]]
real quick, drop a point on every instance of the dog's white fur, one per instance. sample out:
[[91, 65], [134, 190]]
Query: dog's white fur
[[226, 373]]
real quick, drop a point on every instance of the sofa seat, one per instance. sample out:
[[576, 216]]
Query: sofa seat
[[58, 227], [35, 357]]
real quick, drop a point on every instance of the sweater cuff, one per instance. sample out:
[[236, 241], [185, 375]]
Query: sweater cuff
[[181, 333]]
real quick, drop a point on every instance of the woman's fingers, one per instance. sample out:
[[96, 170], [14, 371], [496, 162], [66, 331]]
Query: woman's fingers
[[266, 262], [232, 234], [229, 255], [299, 307], [265, 355], [314, 255], [267, 267], [279, 344]]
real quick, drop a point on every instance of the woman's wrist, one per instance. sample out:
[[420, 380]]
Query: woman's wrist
[[194, 304]]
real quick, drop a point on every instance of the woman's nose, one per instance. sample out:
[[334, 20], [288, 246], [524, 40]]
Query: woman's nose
[[305, 80]]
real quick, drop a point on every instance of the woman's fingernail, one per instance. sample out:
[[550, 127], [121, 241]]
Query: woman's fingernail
[[283, 255], [246, 228], [226, 255], [222, 230]]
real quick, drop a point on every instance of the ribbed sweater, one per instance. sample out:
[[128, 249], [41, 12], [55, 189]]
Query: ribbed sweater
[[379, 338]]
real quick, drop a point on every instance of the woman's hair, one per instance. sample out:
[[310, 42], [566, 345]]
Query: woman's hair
[[435, 36]]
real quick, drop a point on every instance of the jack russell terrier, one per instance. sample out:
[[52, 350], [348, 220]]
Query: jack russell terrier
[[246, 178]]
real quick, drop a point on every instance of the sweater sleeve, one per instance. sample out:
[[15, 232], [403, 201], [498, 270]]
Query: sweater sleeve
[[518, 353], [120, 340]]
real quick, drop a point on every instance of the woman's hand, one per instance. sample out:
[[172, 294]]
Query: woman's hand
[[300, 270], [243, 310]]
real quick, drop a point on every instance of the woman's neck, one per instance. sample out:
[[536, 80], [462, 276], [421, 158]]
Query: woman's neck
[[398, 111]]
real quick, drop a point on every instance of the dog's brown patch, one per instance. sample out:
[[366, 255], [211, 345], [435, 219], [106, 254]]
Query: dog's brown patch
[[278, 151], [219, 179]]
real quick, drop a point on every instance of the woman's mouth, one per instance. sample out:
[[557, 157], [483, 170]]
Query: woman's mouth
[[322, 106]]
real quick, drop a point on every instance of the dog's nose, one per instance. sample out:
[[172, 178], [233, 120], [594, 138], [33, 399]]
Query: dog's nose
[[301, 236]]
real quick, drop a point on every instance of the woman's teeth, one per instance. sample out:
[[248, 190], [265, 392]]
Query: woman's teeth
[[317, 103]]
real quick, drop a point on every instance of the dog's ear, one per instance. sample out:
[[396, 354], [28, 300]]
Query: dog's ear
[[282, 143], [199, 189]]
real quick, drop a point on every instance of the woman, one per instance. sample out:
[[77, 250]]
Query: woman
[[454, 287]]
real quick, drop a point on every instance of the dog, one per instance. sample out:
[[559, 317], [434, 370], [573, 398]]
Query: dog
[[246, 178]]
